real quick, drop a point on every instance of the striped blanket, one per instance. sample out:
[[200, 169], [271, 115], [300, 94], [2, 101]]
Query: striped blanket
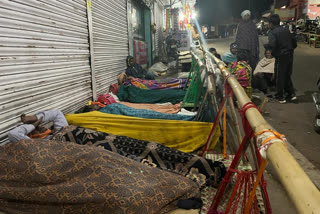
[[169, 83]]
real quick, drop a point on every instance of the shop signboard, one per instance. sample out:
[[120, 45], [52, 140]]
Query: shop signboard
[[313, 9], [140, 52], [285, 14], [183, 40]]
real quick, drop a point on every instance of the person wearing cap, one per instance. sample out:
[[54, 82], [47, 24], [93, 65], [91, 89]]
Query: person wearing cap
[[231, 57], [247, 39]]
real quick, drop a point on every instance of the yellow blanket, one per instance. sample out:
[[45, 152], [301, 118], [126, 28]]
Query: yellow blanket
[[186, 136]]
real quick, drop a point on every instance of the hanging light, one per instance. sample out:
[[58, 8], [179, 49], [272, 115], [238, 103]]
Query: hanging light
[[194, 15]]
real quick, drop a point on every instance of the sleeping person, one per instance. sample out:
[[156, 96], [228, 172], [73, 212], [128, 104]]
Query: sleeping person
[[205, 172]]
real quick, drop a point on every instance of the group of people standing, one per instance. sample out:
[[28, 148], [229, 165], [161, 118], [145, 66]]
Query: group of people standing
[[275, 69]]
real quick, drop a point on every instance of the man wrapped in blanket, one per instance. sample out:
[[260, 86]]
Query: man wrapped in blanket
[[134, 70]]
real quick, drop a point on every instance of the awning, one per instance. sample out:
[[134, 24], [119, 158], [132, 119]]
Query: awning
[[281, 3], [266, 15], [298, 3]]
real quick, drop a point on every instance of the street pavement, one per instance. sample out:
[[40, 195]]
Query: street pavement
[[295, 120]]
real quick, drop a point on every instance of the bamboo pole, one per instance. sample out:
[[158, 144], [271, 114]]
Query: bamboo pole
[[235, 119], [300, 188]]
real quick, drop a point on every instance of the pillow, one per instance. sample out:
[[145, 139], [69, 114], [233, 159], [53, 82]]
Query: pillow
[[106, 99]]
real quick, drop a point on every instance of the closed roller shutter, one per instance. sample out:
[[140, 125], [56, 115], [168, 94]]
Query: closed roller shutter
[[110, 39], [159, 22], [44, 58]]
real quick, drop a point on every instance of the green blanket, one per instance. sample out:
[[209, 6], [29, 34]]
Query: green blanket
[[137, 95]]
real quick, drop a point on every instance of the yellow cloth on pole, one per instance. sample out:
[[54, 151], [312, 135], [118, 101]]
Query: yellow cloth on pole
[[186, 136]]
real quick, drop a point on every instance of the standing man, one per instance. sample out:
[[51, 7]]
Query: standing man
[[247, 39], [282, 44]]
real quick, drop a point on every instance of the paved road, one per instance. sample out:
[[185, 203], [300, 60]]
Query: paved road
[[293, 119]]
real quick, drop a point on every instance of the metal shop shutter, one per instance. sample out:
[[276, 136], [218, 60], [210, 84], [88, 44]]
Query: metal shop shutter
[[110, 41], [44, 58], [159, 37]]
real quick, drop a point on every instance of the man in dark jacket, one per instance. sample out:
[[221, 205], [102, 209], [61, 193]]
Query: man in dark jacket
[[282, 44]]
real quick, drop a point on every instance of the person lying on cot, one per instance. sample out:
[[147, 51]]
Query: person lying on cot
[[31, 126], [204, 171], [109, 98], [242, 71], [147, 111], [134, 70], [166, 83]]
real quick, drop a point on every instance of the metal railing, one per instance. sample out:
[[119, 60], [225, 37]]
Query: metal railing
[[304, 194]]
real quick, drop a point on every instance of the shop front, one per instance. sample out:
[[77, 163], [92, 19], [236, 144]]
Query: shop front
[[314, 9], [139, 24], [58, 54]]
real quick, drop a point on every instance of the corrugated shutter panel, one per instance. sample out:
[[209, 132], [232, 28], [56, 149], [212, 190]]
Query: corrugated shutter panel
[[44, 58], [110, 39], [159, 22]]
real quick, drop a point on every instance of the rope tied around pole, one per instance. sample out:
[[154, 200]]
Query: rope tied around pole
[[263, 163], [247, 202], [266, 138], [246, 126], [306, 197], [225, 132], [266, 143]]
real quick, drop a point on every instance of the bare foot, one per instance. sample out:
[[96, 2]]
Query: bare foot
[[28, 119]]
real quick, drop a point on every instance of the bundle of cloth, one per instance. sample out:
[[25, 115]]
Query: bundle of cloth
[[168, 83], [133, 94], [186, 136]]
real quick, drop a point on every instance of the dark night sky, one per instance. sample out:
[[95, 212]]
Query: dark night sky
[[217, 11]]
